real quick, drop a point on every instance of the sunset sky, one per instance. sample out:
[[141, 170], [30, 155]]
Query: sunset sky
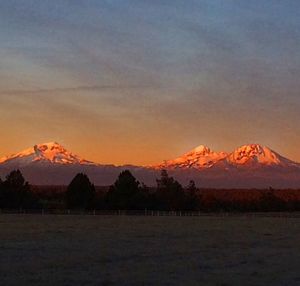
[[140, 81]]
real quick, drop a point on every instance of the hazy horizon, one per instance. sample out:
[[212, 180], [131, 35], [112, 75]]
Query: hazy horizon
[[138, 82]]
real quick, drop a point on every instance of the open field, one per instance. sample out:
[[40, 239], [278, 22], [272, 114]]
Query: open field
[[134, 250]]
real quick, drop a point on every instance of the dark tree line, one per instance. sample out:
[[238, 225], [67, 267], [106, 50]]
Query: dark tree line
[[127, 193], [15, 192]]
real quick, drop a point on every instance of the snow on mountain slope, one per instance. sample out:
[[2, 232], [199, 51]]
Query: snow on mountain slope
[[201, 157], [51, 152], [251, 166], [255, 154], [248, 156]]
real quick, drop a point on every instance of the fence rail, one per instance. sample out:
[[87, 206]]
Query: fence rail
[[148, 213]]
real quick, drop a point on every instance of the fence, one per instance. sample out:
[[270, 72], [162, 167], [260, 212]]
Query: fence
[[146, 212]]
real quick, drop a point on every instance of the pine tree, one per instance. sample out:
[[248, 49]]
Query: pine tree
[[15, 192], [170, 194], [192, 198], [125, 192], [80, 193]]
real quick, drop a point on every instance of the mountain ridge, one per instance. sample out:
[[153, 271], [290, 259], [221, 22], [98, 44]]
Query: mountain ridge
[[51, 152], [251, 155], [249, 166], [201, 157]]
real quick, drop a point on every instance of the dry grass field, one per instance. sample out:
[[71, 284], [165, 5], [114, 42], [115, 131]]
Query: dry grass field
[[131, 250]]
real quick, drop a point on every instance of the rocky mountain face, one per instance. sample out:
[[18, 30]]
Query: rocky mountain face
[[201, 157], [51, 152], [249, 166], [247, 156]]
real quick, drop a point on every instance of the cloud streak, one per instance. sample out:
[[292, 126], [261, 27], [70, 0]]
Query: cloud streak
[[77, 88], [135, 75]]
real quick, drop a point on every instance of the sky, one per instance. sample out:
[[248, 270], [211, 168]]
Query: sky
[[137, 82]]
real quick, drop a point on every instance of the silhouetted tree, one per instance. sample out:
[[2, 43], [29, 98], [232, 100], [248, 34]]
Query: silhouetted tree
[[192, 198], [144, 198], [1, 193], [126, 192], [15, 192], [80, 192], [169, 194]]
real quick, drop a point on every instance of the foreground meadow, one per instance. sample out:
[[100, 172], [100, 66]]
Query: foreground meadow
[[132, 250]]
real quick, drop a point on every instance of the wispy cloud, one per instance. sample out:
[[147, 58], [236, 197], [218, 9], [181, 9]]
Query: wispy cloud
[[77, 88]]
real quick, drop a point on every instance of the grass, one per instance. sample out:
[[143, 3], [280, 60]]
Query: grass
[[133, 250]]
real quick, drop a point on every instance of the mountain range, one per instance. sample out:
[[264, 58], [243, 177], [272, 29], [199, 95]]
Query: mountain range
[[249, 166], [247, 156]]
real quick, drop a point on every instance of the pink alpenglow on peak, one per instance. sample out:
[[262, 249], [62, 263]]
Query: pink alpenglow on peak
[[249, 166], [200, 157], [51, 152], [256, 154], [252, 155], [201, 149]]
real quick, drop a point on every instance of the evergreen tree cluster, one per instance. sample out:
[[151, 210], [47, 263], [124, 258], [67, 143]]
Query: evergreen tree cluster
[[15, 192], [127, 193]]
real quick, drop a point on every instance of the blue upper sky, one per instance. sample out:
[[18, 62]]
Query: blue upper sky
[[172, 74]]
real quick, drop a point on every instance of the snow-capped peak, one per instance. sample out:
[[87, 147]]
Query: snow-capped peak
[[252, 155], [201, 149], [255, 153], [200, 157], [50, 152]]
